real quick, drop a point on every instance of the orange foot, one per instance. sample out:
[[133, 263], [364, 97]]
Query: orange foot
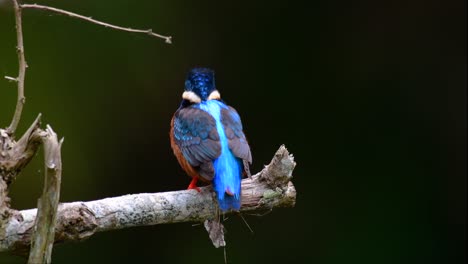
[[193, 185]]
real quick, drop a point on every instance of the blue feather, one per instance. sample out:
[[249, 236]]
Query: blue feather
[[228, 168]]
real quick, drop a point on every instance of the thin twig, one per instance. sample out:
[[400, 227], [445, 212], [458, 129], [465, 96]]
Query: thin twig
[[11, 79], [22, 69], [262, 214], [225, 256], [245, 222], [44, 234], [150, 32]]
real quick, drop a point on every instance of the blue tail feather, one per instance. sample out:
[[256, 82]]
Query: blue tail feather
[[228, 168], [228, 175]]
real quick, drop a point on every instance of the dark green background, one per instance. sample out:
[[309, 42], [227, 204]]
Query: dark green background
[[370, 97]]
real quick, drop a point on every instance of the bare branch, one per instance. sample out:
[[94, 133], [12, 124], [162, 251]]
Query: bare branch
[[44, 234], [150, 32], [21, 72], [79, 220]]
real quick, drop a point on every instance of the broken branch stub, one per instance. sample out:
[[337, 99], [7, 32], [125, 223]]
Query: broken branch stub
[[44, 228]]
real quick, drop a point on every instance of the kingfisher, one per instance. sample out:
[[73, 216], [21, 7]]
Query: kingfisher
[[208, 140]]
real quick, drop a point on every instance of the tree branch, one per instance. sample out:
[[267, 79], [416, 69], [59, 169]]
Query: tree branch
[[43, 237], [21, 72], [150, 32], [14, 156], [79, 220]]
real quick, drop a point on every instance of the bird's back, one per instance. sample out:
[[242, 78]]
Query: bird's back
[[208, 141], [227, 167]]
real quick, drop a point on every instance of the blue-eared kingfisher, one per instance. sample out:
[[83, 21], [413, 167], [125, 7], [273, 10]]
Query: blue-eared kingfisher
[[208, 140]]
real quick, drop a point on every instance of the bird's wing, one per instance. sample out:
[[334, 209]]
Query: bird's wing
[[194, 132], [236, 138]]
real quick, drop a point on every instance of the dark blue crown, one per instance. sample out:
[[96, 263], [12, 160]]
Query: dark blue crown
[[200, 81]]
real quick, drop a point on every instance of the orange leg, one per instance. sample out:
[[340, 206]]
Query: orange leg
[[193, 184]]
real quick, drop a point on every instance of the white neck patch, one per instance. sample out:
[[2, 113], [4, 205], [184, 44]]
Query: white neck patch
[[214, 95], [191, 96]]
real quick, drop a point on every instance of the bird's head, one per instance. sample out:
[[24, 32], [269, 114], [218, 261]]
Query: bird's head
[[200, 86]]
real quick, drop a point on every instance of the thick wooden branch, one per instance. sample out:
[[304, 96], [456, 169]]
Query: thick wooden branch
[[80, 220]]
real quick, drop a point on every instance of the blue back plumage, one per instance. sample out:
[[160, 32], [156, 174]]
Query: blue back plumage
[[228, 168]]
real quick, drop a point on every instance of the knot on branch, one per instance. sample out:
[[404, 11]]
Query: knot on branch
[[15, 155], [75, 223]]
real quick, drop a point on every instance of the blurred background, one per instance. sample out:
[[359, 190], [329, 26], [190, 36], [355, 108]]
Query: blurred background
[[370, 97]]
